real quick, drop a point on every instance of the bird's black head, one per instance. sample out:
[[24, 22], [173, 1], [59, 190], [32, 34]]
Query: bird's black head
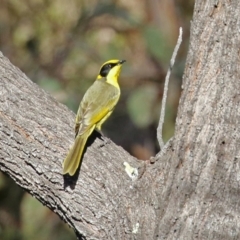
[[107, 66]]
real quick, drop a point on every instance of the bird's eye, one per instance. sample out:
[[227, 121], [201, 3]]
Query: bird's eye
[[109, 65]]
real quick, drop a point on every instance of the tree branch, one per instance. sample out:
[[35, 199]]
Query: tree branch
[[165, 91], [36, 132]]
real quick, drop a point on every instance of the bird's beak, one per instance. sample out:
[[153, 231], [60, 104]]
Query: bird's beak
[[122, 61]]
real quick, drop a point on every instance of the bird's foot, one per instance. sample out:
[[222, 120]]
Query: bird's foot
[[105, 141]]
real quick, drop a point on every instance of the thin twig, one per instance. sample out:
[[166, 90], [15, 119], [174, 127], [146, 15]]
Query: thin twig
[[164, 99]]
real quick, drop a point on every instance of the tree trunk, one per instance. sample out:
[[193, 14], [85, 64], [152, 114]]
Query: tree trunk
[[192, 188]]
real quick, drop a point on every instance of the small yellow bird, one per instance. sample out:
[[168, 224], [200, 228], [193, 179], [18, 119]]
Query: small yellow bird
[[96, 106]]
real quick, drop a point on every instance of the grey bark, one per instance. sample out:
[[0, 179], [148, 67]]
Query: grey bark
[[190, 191]]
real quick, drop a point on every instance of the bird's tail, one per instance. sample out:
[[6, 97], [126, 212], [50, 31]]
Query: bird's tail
[[73, 159]]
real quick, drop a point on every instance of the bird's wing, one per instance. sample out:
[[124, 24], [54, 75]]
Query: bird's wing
[[97, 102]]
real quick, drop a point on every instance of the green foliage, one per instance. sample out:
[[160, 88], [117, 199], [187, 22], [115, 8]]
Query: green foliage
[[140, 105], [39, 223], [157, 44], [50, 84]]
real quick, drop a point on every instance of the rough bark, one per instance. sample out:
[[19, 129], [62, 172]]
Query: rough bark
[[203, 179], [191, 191]]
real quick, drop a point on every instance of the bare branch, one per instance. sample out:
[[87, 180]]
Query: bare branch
[[164, 100]]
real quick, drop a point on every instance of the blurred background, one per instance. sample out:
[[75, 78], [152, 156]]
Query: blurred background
[[61, 45]]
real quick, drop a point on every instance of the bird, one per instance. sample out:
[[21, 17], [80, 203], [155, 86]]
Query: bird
[[95, 107]]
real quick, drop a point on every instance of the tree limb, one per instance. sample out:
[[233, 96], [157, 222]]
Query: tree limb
[[165, 91], [36, 132]]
